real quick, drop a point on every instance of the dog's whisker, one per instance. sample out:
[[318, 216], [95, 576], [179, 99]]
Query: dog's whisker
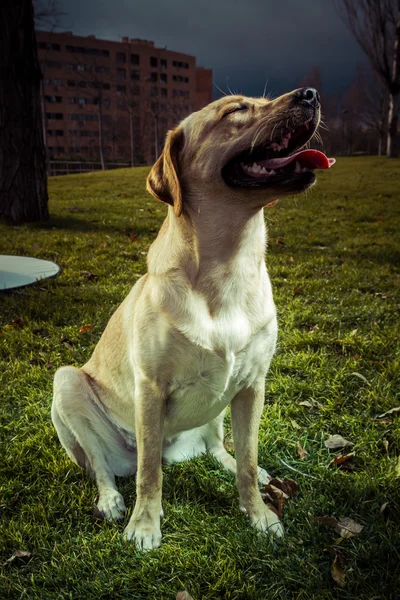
[[219, 89]]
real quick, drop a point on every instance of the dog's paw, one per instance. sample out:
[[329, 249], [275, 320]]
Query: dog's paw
[[263, 477], [267, 521], [145, 535], [111, 505]]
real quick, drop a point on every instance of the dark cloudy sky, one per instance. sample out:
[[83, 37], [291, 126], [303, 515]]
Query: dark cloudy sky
[[245, 42]]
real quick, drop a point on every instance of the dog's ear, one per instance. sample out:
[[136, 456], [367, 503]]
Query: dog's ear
[[163, 180]]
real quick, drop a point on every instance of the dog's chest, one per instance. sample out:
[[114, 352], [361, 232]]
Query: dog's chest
[[207, 380]]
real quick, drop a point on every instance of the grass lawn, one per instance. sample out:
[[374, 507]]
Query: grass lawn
[[334, 261]]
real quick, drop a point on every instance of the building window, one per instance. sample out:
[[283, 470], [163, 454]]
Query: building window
[[135, 75], [55, 132], [163, 63], [121, 89], [107, 102], [54, 116], [48, 46], [90, 51], [102, 69], [153, 77], [135, 59], [180, 64], [121, 57], [56, 150], [50, 64], [53, 99], [82, 117], [164, 92], [163, 78], [121, 73], [54, 82], [181, 93], [153, 91], [135, 90], [153, 61], [180, 78]]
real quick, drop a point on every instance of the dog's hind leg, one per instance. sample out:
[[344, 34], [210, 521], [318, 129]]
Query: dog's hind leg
[[89, 437]]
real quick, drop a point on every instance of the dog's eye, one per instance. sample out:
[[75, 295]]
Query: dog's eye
[[236, 108]]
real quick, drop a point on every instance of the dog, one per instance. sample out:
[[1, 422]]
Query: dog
[[197, 332]]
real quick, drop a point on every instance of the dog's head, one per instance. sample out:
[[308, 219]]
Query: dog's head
[[250, 147]]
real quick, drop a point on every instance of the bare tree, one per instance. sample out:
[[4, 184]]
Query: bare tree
[[376, 26], [23, 180]]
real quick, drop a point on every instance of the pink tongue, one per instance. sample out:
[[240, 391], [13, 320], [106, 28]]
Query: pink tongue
[[311, 159]]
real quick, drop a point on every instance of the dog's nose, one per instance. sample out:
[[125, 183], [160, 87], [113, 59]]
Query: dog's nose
[[307, 96]]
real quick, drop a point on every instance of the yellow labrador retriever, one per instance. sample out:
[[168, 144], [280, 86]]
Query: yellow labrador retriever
[[198, 331]]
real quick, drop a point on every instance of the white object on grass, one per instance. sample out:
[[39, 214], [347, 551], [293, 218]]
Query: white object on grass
[[17, 271]]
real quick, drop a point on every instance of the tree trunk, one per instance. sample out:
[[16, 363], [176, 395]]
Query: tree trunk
[[391, 147], [101, 133], [23, 180]]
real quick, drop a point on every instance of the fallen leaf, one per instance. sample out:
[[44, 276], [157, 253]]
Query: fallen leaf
[[295, 424], [103, 245], [277, 491], [306, 403], [184, 596], [85, 328], [337, 441], [329, 521], [386, 446], [383, 507], [389, 412], [133, 238], [19, 555], [271, 204], [280, 242], [348, 528], [337, 569], [297, 290], [301, 452], [364, 379], [341, 458]]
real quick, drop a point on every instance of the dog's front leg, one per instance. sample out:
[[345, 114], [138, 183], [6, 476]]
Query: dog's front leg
[[246, 410], [144, 525]]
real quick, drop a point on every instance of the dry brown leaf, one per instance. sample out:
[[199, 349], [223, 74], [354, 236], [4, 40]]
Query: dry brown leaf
[[341, 458], [133, 238], [103, 245], [271, 204], [396, 409], [297, 290], [18, 555], [15, 324], [277, 491], [348, 528], [85, 328], [337, 441], [184, 596], [301, 451], [329, 521], [337, 569]]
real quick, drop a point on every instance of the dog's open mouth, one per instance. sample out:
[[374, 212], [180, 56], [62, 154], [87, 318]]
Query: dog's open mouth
[[279, 163]]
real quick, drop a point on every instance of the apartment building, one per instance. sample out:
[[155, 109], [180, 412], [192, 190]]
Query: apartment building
[[121, 97]]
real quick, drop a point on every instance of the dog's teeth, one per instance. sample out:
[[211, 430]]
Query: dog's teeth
[[272, 172], [297, 167], [264, 171], [307, 125], [285, 142], [304, 170]]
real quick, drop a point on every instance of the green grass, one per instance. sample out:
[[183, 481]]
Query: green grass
[[334, 261]]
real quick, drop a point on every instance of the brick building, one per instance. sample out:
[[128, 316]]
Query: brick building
[[121, 96]]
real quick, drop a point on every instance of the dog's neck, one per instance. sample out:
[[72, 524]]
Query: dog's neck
[[212, 246]]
